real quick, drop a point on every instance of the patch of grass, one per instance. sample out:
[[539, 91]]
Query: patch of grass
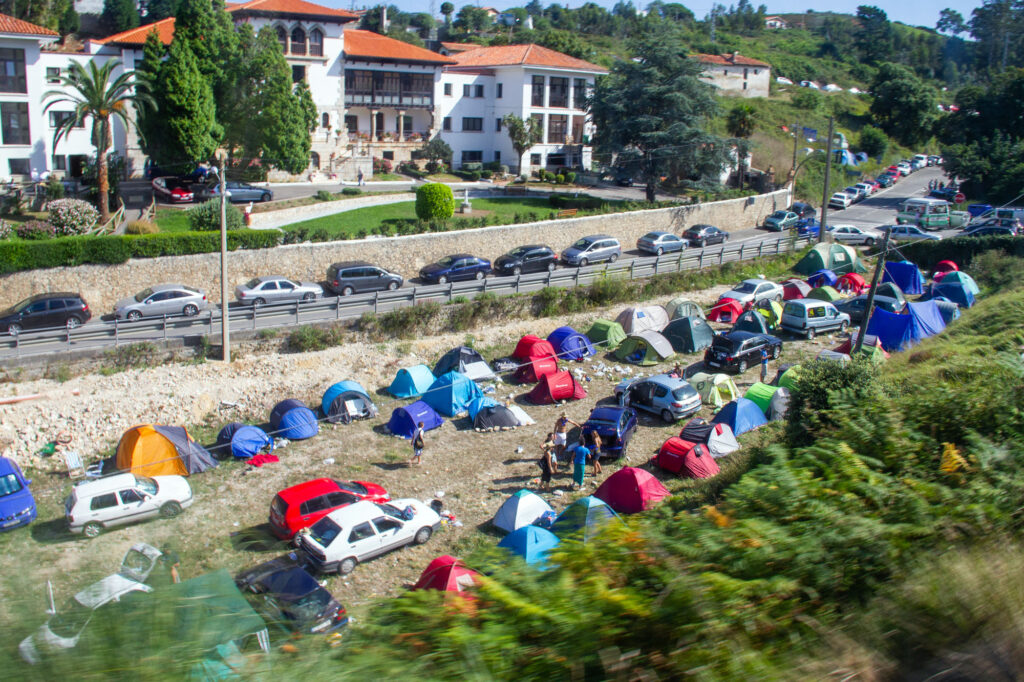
[[388, 177], [172, 220], [306, 339], [132, 356]]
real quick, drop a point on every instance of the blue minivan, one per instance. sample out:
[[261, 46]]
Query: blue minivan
[[17, 506]]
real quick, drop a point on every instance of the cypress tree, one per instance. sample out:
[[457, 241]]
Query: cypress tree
[[119, 15], [189, 131]]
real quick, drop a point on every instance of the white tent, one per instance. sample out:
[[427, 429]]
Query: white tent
[[519, 510], [722, 441], [647, 318], [779, 404]]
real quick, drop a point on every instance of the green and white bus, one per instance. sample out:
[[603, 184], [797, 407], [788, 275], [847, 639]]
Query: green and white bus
[[930, 214]]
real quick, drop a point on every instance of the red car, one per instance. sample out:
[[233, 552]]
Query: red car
[[304, 504], [172, 189]]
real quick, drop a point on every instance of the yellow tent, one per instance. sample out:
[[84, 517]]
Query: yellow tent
[[715, 389], [154, 450], [772, 313]]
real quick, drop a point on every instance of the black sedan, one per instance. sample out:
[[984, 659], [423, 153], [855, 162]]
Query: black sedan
[[855, 307], [702, 235], [289, 597], [455, 267], [532, 258], [803, 209], [740, 350]]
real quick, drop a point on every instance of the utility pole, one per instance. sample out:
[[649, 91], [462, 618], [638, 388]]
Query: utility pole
[[825, 195], [225, 320], [870, 304], [796, 142]]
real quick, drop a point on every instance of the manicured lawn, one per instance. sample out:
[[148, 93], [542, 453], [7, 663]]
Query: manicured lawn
[[172, 220], [387, 177]]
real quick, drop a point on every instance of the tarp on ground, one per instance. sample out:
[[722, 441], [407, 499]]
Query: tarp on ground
[[822, 277], [452, 393], [411, 382], [718, 437], [692, 460], [587, 514], [556, 387], [157, 450], [899, 332], [348, 406], [244, 441], [688, 334], [532, 543], [404, 419], [520, 414], [334, 390], [715, 389], [646, 318], [779, 405], [853, 283], [761, 394], [495, 417], [606, 334], [795, 288], [683, 307], [644, 348], [726, 310], [957, 292], [522, 508], [751, 321], [291, 419], [741, 415], [466, 361], [631, 491], [839, 258], [832, 356], [569, 344], [446, 574], [905, 275], [825, 293], [531, 346], [771, 311], [891, 290], [532, 371]]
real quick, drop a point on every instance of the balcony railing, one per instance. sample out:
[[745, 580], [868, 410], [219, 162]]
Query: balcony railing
[[391, 136], [389, 99]]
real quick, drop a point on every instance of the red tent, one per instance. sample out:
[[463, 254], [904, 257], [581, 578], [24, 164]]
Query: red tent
[[869, 340], [447, 574], [631, 490], [946, 266], [726, 310], [555, 387], [532, 371], [530, 347], [692, 460], [795, 288], [852, 282]]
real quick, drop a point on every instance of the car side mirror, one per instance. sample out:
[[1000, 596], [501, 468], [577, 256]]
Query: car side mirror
[[148, 301]]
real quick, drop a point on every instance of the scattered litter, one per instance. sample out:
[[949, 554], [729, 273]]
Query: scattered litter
[[235, 524], [329, 460], [519, 450], [281, 442], [439, 494], [558, 493], [489, 389]]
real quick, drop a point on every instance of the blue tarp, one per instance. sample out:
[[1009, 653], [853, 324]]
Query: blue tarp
[[480, 403], [411, 381], [337, 389], [404, 419], [569, 344], [587, 513], [823, 278], [905, 275], [532, 543], [291, 419], [899, 332], [927, 317], [741, 415], [452, 393], [957, 292]]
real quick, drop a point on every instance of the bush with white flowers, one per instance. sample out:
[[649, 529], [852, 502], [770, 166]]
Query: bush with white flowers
[[71, 216]]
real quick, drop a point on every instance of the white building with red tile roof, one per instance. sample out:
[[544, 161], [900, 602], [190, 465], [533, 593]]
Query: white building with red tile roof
[[737, 74]]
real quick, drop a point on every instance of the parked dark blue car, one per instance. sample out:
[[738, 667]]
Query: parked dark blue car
[[17, 506], [615, 425], [455, 267]]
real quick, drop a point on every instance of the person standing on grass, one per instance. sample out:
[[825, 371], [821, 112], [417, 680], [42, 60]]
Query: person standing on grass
[[548, 464], [579, 464], [561, 432], [417, 444], [764, 364]]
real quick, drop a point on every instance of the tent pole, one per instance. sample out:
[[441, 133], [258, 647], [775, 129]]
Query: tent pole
[[869, 307]]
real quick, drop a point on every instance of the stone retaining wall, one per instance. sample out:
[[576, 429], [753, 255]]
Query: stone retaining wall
[[103, 285]]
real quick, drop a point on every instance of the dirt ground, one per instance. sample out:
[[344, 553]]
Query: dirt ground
[[471, 472]]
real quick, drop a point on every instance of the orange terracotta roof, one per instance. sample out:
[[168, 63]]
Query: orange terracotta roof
[[137, 36], [459, 47], [729, 60], [292, 7], [526, 55], [9, 24], [369, 45]]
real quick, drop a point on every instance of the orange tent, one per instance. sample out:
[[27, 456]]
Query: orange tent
[[154, 450]]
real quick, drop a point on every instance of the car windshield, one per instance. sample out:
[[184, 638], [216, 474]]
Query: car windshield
[[582, 243], [446, 261], [517, 252], [9, 484], [390, 511], [144, 294], [146, 485], [745, 287], [22, 305], [136, 565], [309, 607], [69, 621], [352, 487], [324, 531], [253, 283]]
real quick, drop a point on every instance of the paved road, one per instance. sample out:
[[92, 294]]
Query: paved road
[[881, 208]]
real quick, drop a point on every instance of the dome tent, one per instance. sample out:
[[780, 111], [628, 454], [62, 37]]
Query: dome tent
[[644, 348], [718, 438], [838, 258], [569, 344], [345, 401], [688, 334], [793, 289], [404, 419], [291, 419], [522, 508], [779, 405], [606, 333], [223, 446], [853, 283], [588, 514], [478, 404], [956, 291], [945, 266], [771, 311], [761, 394], [825, 293], [532, 371], [683, 307], [156, 450], [891, 290], [446, 574], [334, 390], [905, 275], [532, 543], [786, 376], [714, 389], [243, 441], [822, 278], [467, 361], [741, 415], [646, 318], [530, 347], [630, 490], [412, 381], [495, 417], [726, 310], [692, 460], [452, 393], [751, 321], [555, 387]]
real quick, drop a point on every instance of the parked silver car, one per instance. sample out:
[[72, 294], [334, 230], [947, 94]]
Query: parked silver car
[[237, 192], [666, 395], [592, 249], [162, 299], [124, 498], [849, 234], [276, 289], [808, 316]]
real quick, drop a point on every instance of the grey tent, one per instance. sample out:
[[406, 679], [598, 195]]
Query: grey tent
[[717, 437], [683, 307], [194, 456], [465, 360], [751, 321], [779, 405], [495, 417], [349, 405], [891, 290], [688, 334]]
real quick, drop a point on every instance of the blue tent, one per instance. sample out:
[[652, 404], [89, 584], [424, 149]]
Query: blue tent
[[480, 403], [905, 275], [569, 344], [963, 278], [823, 278], [337, 389], [587, 514], [740, 415], [224, 437], [451, 393], [927, 317], [411, 381], [291, 419], [957, 292], [404, 419], [532, 543], [247, 441], [899, 332]]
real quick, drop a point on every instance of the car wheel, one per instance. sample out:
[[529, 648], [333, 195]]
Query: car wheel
[[614, 257], [306, 298], [516, 271], [392, 286], [257, 302], [73, 322], [423, 534], [92, 529], [551, 267], [14, 329], [347, 566], [134, 316], [659, 252], [778, 298], [870, 241], [667, 416], [479, 274], [169, 510], [265, 196], [741, 367], [442, 280], [191, 310], [811, 334], [347, 291], [775, 351], [584, 262], [842, 326]]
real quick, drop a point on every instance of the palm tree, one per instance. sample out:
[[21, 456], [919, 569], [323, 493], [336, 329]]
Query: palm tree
[[740, 123], [447, 9], [95, 96]]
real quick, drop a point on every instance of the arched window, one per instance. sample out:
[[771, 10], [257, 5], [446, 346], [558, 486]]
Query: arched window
[[325, 120], [298, 41], [316, 43], [314, 161], [282, 37]]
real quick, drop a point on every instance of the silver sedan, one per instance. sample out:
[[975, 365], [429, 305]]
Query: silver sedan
[[160, 300], [276, 289], [849, 234]]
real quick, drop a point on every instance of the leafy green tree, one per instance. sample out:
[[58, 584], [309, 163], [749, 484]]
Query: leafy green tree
[[46, 13], [161, 9], [873, 142], [472, 19], [741, 123], [874, 35], [70, 22], [119, 15], [187, 112], [807, 99], [523, 133], [436, 151], [210, 33], [434, 201], [97, 96], [951, 22], [904, 106], [447, 9], [567, 43], [655, 109]]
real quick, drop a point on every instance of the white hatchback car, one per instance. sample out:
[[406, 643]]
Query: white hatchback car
[[361, 531], [840, 200], [124, 498]]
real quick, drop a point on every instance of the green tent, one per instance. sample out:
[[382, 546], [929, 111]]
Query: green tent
[[789, 377], [715, 389], [825, 293], [688, 334], [873, 353], [644, 348], [606, 334], [761, 394], [683, 307], [963, 278], [838, 258], [892, 291]]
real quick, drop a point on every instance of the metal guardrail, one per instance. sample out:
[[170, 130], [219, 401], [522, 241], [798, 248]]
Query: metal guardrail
[[117, 333]]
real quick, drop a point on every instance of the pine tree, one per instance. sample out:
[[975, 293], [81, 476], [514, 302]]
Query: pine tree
[[69, 21], [119, 15], [161, 9], [189, 129]]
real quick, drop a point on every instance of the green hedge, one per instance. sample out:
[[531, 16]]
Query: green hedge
[[962, 251], [561, 201], [108, 250], [435, 201]]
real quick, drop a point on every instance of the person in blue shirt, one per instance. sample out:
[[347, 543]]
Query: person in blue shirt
[[580, 454]]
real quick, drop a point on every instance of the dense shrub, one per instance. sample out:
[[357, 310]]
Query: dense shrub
[[487, 174], [141, 227], [961, 251], [561, 201], [351, 191], [206, 217], [324, 195], [570, 177], [435, 201], [560, 179], [6, 231], [54, 189], [381, 166], [35, 230], [306, 339], [472, 166], [474, 175], [71, 216]]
